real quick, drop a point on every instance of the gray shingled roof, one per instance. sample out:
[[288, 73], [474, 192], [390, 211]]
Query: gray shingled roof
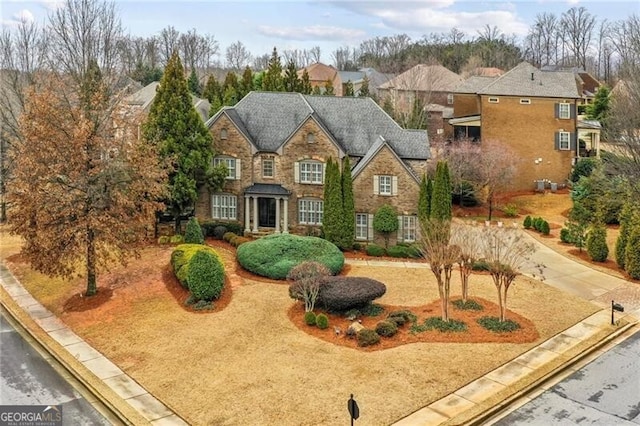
[[422, 77], [518, 82], [474, 84], [270, 118], [351, 75], [266, 188]]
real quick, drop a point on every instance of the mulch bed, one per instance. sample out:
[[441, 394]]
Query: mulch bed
[[474, 334], [609, 263]]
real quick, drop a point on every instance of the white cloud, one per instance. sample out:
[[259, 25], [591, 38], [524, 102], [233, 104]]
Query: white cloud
[[437, 16], [313, 32], [573, 2], [23, 15]]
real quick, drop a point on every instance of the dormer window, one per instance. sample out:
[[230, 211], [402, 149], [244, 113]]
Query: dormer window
[[223, 134], [311, 138]]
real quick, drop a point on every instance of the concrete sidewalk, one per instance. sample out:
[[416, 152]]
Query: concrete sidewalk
[[151, 409]]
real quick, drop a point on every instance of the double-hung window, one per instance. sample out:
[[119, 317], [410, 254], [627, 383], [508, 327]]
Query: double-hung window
[[231, 166], [267, 167], [564, 141], [224, 206], [310, 212], [384, 185], [311, 172], [564, 111], [409, 229], [362, 226]]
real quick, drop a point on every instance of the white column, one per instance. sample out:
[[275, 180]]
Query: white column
[[247, 217], [285, 227], [277, 215], [255, 214]]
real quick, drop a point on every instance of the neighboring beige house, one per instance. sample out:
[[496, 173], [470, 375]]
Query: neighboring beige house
[[142, 99], [276, 145], [535, 113]]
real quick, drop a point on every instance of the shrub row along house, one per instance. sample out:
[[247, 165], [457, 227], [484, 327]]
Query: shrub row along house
[[535, 113], [276, 145]]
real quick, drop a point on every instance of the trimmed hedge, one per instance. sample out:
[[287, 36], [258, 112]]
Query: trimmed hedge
[[375, 250], [343, 293], [206, 276], [181, 258], [403, 251], [274, 256], [208, 228]]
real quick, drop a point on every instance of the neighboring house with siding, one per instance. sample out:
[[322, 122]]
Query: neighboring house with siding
[[533, 112], [276, 146]]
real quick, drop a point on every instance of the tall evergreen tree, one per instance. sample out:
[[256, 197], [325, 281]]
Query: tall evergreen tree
[[599, 109], [632, 252], [230, 80], [272, 80], [328, 88], [212, 89], [441, 198], [348, 88], [291, 80], [364, 89], [180, 134], [315, 90], [194, 83], [626, 217], [333, 214], [429, 195], [246, 83], [230, 97], [423, 201], [348, 206], [305, 83]]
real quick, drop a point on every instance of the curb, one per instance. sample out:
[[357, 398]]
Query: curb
[[481, 418]]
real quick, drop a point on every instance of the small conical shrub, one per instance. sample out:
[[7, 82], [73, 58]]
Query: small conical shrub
[[632, 254], [528, 222], [597, 244], [544, 227], [193, 233]]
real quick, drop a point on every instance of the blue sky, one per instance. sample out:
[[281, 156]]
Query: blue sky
[[299, 24]]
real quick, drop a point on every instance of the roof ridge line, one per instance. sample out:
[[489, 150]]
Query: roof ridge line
[[307, 104]]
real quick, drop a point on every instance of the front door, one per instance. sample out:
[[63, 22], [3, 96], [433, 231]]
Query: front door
[[266, 212]]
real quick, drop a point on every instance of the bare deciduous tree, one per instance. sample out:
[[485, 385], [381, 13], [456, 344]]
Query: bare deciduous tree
[[169, 42], [579, 25], [238, 56], [468, 238], [506, 251], [435, 246]]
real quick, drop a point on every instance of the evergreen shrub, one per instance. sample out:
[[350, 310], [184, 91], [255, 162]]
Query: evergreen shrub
[[375, 250], [322, 321], [193, 233], [206, 276], [367, 337], [597, 244], [342, 293], [386, 328], [310, 318]]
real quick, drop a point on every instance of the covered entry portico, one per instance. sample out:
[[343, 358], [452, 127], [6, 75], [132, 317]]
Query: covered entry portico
[[266, 206]]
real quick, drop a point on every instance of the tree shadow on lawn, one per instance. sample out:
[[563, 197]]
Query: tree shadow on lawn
[[81, 303], [475, 333]]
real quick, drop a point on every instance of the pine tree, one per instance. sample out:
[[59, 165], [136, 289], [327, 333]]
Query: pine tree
[[626, 216], [328, 88], [272, 80], [305, 83], [230, 96], [632, 252], [194, 83], [348, 206], [441, 198], [348, 88], [315, 90], [597, 239], [423, 202], [230, 80], [333, 214], [212, 89], [246, 83], [291, 80], [599, 109], [429, 195], [364, 89], [177, 129]]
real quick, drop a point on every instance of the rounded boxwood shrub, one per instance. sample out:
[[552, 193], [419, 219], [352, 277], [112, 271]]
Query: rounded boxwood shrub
[[322, 321], [386, 328], [193, 233], [163, 239], [544, 227], [343, 293], [528, 222], [228, 236], [565, 236], [206, 276], [375, 250], [181, 259], [367, 337], [310, 318], [398, 251], [274, 256], [176, 239], [219, 231]]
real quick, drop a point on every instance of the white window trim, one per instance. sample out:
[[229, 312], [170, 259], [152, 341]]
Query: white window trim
[[233, 166], [525, 101], [310, 172], [224, 207], [224, 134], [407, 228], [377, 185], [385, 185], [561, 106], [273, 168], [310, 211], [493, 100], [560, 141], [362, 224]]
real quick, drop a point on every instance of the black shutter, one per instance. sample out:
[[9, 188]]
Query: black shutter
[[557, 140], [572, 114], [557, 110], [572, 139]]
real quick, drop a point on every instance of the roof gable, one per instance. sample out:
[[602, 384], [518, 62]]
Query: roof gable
[[527, 80], [375, 149], [269, 119]]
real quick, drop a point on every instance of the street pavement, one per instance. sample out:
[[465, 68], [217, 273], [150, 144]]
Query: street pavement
[[604, 392], [27, 378]]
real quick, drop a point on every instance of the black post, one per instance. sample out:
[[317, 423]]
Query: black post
[[350, 400], [612, 323]]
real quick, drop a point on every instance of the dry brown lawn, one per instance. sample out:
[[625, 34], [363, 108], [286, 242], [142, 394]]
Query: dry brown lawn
[[248, 364]]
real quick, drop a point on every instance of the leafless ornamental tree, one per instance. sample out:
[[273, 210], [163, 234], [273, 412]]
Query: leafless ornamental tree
[[506, 252], [467, 238]]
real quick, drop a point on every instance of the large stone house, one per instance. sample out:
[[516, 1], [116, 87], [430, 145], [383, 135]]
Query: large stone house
[[534, 112], [276, 145]]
